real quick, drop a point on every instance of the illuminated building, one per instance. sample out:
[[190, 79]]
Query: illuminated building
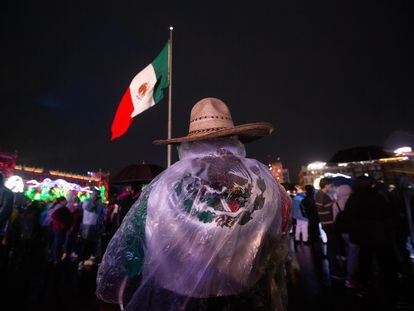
[[7, 163], [279, 173], [15, 173], [372, 161]]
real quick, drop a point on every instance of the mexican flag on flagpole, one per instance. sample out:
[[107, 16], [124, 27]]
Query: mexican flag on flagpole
[[145, 90]]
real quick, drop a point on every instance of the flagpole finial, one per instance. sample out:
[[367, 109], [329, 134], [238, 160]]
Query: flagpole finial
[[171, 27]]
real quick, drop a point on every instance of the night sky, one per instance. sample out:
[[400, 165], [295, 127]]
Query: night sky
[[328, 75]]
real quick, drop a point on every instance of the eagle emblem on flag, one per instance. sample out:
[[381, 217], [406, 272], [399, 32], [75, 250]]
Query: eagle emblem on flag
[[142, 90]]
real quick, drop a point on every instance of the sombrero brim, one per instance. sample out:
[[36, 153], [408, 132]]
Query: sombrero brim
[[246, 132]]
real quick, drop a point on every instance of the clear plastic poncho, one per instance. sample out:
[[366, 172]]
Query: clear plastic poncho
[[207, 233]]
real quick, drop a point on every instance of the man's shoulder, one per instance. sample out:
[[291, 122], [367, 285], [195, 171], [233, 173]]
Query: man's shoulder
[[319, 194]]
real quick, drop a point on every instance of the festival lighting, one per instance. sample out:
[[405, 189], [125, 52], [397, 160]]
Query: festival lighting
[[333, 175], [15, 183], [316, 183], [102, 191], [318, 165], [29, 169], [75, 176], [393, 159], [50, 189], [403, 150]]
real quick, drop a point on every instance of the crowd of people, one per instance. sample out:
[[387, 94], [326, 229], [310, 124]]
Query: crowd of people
[[364, 225], [360, 227], [60, 230]]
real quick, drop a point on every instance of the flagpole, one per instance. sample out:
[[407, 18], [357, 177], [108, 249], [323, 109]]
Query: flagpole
[[169, 95]]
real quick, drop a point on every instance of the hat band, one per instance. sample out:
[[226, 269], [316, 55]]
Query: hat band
[[205, 130], [211, 117]]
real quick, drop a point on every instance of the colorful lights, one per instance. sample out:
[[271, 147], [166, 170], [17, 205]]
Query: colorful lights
[[393, 159], [333, 175], [29, 169], [403, 150], [56, 173], [103, 192], [276, 169], [75, 176], [316, 182], [15, 183], [318, 165], [49, 190]]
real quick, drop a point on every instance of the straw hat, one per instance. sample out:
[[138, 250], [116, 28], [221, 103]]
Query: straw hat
[[211, 118]]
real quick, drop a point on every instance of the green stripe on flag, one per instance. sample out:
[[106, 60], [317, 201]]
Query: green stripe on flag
[[160, 65]]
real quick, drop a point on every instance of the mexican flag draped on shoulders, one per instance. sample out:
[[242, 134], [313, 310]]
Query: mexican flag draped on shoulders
[[145, 90]]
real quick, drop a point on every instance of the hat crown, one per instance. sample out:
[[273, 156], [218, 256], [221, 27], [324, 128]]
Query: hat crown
[[209, 115]]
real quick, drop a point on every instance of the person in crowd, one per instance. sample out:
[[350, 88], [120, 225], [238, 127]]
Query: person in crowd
[[311, 211], [125, 201], [91, 229], [403, 210], [45, 220], [324, 204], [301, 219], [6, 205], [342, 193], [6, 208], [30, 233], [209, 233], [369, 221], [111, 221], [12, 239], [70, 246], [61, 219]]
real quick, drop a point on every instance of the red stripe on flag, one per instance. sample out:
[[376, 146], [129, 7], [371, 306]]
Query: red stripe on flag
[[123, 118]]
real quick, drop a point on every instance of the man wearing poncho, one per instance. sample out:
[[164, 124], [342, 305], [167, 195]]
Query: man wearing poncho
[[209, 233]]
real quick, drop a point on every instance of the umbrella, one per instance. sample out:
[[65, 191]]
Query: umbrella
[[340, 180], [136, 173]]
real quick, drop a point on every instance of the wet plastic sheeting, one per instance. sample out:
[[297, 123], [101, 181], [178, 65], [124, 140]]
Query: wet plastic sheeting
[[210, 227]]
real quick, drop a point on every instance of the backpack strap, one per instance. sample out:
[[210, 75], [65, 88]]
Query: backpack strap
[[339, 208]]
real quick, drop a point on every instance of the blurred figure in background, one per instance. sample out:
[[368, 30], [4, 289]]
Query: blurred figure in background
[[12, 237], [6, 208], [125, 201], [71, 240], [91, 229], [325, 206], [311, 211], [369, 219], [342, 225], [403, 206], [299, 215], [61, 221], [30, 233]]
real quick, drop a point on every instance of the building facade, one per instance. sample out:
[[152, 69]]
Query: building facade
[[388, 169], [279, 173]]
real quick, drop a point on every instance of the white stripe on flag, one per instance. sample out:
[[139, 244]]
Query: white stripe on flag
[[141, 89]]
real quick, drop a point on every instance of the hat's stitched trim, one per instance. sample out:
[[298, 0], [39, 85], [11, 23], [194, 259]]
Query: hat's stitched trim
[[206, 130], [210, 117]]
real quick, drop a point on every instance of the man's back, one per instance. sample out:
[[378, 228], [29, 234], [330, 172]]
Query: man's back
[[324, 205], [214, 224]]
